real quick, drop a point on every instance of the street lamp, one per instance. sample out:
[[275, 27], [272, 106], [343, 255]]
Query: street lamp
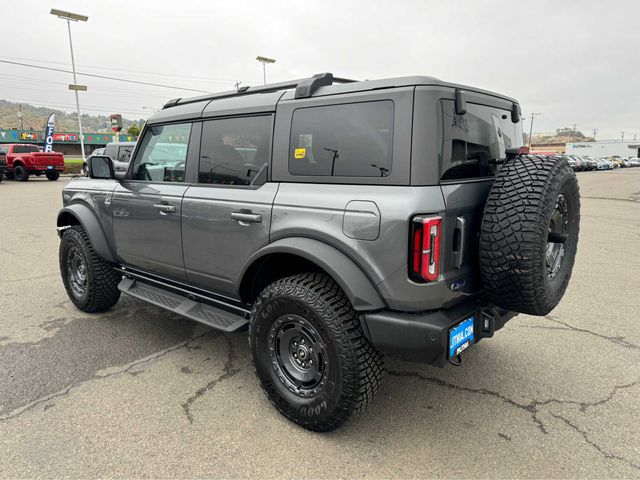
[[74, 17], [264, 61]]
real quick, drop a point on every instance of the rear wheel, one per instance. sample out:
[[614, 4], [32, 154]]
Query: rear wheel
[[310, 354], [53, 176], [529, 234], [21, 173], [90, 281]]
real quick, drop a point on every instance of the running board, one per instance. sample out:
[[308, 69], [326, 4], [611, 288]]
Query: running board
[[181, 305]]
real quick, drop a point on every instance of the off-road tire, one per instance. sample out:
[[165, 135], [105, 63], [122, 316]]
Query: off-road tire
[[20, 173], [52, 176], [354, 368], [515, 230], [102, 280]]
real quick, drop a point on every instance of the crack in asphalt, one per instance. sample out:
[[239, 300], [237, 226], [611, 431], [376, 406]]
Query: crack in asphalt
[[128, 370], [632, 199], [37, 277], [617, 340], [228, 371], [588, 440], [533, 407]]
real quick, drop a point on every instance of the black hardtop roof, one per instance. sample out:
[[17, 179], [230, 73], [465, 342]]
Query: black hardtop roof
[[265, 97]]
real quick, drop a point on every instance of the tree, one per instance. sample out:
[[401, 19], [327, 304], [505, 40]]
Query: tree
[[133, 130]]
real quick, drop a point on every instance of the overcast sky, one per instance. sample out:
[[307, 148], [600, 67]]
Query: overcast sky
[[572, 61]]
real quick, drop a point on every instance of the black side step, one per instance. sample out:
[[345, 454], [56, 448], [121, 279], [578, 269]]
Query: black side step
[[180, 304]]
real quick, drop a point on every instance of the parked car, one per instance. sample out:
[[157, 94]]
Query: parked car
[[119, 152], [590, 163], [24, 160], [3, 164], [634, 162], [310, 212]]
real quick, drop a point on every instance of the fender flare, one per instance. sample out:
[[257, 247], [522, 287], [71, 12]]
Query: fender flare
[[85, 216], [354, 282]]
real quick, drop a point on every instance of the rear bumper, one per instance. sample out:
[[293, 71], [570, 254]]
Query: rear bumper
[[424, 337], [45, 168]]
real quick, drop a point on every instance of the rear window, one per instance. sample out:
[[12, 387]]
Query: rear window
[[25, 149], [473, 141], [348, 140]]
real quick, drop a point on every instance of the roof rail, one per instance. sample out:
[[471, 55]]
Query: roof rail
[[304, 89]]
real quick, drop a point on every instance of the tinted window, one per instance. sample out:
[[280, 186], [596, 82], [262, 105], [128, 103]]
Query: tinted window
[[124, 153], [25, 149], [234, 150], [470, 142], [350, 140], [163, 153]]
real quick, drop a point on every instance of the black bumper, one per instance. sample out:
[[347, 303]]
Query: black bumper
[[424, 336]]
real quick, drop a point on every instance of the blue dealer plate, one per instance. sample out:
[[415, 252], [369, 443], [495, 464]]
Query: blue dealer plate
[[461, 337]]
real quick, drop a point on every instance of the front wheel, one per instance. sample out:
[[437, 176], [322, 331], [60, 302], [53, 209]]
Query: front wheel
[[53, 176], [90, 281], [310, 353]]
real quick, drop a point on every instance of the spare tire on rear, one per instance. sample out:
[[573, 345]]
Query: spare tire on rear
[[529, 234]]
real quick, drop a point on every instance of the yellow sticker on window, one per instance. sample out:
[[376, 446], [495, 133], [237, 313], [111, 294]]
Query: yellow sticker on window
[[300, 152]]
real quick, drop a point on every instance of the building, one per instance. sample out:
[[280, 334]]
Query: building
[[604, 148], [547, 148], [66, 143]]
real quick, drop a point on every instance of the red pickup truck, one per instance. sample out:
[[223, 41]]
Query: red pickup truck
[[24, 160]]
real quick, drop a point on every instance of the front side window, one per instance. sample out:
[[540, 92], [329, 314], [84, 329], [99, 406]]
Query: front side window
[[348, 140], [472, 143], [234, 150], [163, 153]]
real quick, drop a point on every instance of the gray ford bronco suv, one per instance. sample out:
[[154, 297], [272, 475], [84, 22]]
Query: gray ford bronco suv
[[338, 220]]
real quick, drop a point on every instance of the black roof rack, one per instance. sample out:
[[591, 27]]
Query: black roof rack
[[304, 88]]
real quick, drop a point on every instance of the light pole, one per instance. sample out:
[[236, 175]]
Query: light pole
[[264, 61], [74, 17]]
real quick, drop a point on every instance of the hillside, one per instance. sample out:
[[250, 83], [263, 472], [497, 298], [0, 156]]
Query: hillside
[[562, 135], [34, 118]]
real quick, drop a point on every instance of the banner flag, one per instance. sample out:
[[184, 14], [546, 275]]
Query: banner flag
[[48, 134]]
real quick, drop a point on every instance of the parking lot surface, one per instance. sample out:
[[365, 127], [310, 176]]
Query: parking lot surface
[[139, 392]]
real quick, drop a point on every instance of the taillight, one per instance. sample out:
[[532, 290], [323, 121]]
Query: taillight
[[425, 248]]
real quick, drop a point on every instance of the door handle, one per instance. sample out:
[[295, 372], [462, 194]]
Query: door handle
[[460, 231], [246, 217], [164, 208]]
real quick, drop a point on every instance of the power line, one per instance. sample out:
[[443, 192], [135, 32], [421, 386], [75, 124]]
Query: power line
[[104, 77], [102, 67]]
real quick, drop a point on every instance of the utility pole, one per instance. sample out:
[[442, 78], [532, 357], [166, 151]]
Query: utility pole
[[20, 116], [237, 84], [622, 137], [595, 130], [534, 114], [573, 135]]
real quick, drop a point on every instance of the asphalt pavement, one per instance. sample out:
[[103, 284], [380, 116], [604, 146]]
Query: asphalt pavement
[[139, 392]]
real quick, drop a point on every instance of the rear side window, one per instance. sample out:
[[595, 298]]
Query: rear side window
[[471, 143], [124, 153], [348, 140], [234, 150], [163, 153]]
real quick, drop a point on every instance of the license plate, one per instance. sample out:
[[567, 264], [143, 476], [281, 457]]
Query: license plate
[[461, 337], [49, 167]]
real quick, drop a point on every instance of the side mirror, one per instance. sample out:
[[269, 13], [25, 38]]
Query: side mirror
[[101, 167]]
